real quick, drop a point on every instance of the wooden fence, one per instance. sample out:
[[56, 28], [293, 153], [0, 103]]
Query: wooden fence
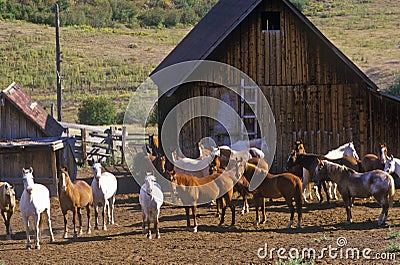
[[103, 143]]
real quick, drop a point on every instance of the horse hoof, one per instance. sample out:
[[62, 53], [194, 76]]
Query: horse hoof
[[9, 237], [158, 236], [75, 236], [96, 228], [65, 235], [104, 228], [37, 247], [256, 223], [194, 229], [217, 215], [28, 247], [89, 232], [149, 236]]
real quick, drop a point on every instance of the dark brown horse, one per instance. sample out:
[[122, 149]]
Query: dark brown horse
[[194, 191], [153, 146], [284, 185], [73, 197]]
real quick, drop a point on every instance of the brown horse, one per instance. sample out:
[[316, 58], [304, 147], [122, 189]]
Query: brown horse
[[73, 197], [153, 146], [194, 191], [284, 185], [371, 162], [7, 205]]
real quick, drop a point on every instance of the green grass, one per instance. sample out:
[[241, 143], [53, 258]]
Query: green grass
[[114, 61], [392, 234], [393, 247]]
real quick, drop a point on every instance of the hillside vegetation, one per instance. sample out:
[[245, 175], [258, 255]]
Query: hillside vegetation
[[113, 57]]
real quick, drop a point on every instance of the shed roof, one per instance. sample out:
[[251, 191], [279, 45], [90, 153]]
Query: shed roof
[[32, 110], [221, 20]]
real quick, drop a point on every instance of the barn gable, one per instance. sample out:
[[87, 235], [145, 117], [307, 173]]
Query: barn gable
[[317, 94], [22, 117]]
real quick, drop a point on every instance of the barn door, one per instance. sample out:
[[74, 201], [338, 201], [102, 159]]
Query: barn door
[[249, 126]]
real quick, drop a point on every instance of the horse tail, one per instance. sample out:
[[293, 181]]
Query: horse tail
[[392, 190], [42, 216]]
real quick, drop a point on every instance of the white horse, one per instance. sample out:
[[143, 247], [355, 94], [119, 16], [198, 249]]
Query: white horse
[[392, 165], [151, 198], [347, 149], [104, 188], [194, 167], [35, 202]]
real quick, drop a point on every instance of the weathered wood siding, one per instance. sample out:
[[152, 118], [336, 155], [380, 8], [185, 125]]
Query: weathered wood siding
[[15, 125], [315, 96]]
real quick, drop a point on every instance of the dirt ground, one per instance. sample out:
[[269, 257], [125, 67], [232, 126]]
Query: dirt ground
[[323, 230]]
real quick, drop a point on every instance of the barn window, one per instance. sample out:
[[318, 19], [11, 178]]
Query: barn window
[[270, 21]]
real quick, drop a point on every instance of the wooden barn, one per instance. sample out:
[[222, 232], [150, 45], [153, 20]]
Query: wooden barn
[[316, 93], [30, 137]]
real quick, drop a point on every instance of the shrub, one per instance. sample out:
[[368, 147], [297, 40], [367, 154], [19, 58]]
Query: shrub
[[97, 111], [300, 4], [395, 88]]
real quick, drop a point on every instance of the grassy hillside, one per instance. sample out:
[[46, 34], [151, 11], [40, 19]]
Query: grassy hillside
[[113, 61]]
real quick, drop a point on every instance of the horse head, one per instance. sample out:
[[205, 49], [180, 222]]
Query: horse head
[[9, 196], [383, 153], [63, 178], [172, 178], [299, 147], [27, 178], [150, 179], [350, 150], [291, 161], [390, 165], [240, 168], [96, 170]]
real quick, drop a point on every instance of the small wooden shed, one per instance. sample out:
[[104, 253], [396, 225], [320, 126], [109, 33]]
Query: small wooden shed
[[30, 137], [316, 93]]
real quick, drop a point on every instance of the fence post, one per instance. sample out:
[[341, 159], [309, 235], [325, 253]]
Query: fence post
[[123, 140], [110, 141], [84, 153]]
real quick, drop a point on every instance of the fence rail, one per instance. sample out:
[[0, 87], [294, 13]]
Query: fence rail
[[104, 143]]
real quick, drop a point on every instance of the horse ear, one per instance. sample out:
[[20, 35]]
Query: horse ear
[[31, 170]]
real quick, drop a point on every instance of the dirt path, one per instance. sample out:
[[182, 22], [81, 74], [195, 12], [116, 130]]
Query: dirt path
[[124, 243]]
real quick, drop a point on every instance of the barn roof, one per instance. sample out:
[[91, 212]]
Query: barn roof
[[221, 20], [32, 110]]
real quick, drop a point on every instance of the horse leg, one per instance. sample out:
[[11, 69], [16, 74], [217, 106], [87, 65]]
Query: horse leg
[[220, 201], [323, 183], [318, 192], [385, 209], [79, 212], [187, 210], [89, 230], [7, 224], [143, 222], [111, 204], [257, 205], [28, 236], [49, 225], [218, 208], [245, 208], [335, 197], [299, 206], [105, 212], [36, 220], [148, 225], [194, 210], [291, 209], [73, 221], [347, 204], [65, 225], [156, 223], [264, 219], [96, 216]]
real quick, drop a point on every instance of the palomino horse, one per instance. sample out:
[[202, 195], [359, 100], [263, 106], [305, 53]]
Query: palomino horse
[[150, 198], [7, 205], [194, 191], [195, 167], [73, 197], [35, 202], [352, 184], [284, 185], [104, 188]]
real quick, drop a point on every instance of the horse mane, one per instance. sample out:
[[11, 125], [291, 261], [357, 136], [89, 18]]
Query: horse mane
[[341, 168]]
